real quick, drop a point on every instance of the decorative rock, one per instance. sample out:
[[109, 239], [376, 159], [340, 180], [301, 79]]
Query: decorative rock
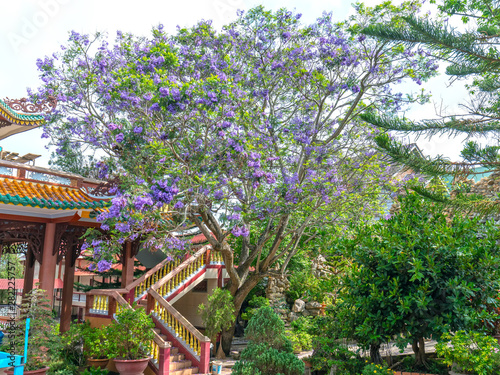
[[313, 305], [298, 306], [293, 316]]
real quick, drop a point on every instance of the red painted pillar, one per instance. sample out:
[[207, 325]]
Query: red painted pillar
[[29, 273], [49, 262], [67, 294], [128, 264], [204, 358], [164, 361]]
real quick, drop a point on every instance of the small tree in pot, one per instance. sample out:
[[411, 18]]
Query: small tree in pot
[[218, 315], [129, 337], [95, 344]]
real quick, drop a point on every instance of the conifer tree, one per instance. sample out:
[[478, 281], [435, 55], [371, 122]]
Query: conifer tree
[[470, 54]]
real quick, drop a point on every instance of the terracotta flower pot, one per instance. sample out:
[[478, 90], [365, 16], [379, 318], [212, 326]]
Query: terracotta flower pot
[[131, 366], [98, 363], [41, 371]]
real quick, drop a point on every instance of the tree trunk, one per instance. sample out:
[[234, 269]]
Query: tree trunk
[[239, 296], [418, 347], [375, 354], [220, 352]]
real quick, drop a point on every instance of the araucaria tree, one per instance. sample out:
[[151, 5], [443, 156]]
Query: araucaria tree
[[420, 274], [249, 132], [471, 53]]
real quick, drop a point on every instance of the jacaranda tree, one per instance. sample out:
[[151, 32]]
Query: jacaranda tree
[[249, 132]]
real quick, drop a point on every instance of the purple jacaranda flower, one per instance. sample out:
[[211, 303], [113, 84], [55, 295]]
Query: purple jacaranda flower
[[91, 267], [119, 138], [219, 194], [234, 217], [138, 129], [114, 126], [103, 265], [178, 205]]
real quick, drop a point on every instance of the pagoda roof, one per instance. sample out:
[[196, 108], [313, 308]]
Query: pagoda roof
[[17, 116], [43, 195]]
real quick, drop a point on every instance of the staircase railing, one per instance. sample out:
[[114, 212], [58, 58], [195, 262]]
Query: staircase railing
[[174, 281], [180, 331]]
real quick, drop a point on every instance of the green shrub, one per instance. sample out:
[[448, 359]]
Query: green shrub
[[373, 369], [253, 305], [330, 353], [269, 352], [301, 341], [265, 360], [473, 352]]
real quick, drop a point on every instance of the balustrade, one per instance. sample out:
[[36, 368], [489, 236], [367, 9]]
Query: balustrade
[[216, 258], [100, 305], [170, 285], [142, 288]]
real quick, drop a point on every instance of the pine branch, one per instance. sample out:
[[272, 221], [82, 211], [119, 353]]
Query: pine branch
[[459, 47], [439, 166], [452, 127]]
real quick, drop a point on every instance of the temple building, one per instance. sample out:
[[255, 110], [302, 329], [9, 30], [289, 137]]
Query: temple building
[[43, 215]]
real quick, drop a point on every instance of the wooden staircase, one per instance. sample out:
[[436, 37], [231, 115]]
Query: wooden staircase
[[178, 347]]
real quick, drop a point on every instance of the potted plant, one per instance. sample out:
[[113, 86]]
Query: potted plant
[[129, 338], [95, 345], [43, 342]]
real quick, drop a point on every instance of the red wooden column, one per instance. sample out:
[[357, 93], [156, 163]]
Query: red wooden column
[[204, 357], [128, 264], [29, 272], [49, 262], [164, 361], [67, 294]]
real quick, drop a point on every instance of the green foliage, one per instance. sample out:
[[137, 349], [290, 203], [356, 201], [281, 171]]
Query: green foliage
[[72, 351], [130, 334], [269, 352], [372, 369], [265, 360], [472, 352], [418, 275], [267, 327], [95, 341], [44, 342], [219, 314], [95, 371], [470, 52], [329, 352], [254, 304], [13, 261], [301, 333]]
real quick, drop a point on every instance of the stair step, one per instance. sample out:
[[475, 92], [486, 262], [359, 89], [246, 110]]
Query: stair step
[[185, 371], [176, 357], [157, 330], [178, 365], [174, 350]]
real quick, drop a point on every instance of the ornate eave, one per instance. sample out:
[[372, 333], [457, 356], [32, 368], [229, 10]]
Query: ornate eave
[[17, 116]]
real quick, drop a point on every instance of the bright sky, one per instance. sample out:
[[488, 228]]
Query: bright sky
[[31, 29]]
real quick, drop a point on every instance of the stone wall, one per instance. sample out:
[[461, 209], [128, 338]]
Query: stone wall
[[275, 293]]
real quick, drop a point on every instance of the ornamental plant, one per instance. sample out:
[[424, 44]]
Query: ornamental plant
[[250, 132], [217, 315], [44, 342], [269, 351], [419, 274], [472, 352], [130, 334], [375, 369], [95, 341]]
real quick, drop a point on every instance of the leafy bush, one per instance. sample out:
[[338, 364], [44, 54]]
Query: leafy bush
[[473, 352], [253, 305], [219, 314], [130, 334], [330, 353], [300, 335], [269, 352], [373, 369]]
